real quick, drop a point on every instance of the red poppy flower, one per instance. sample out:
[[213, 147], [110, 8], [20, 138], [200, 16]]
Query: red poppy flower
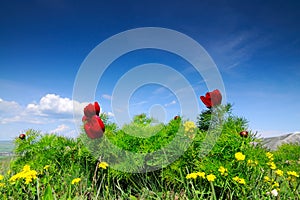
[[91, 110], [212, 99], [94, 127]]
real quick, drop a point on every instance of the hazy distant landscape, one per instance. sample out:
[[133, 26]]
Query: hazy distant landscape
[[6, 148]]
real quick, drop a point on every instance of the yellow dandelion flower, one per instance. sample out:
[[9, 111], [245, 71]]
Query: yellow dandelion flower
[[1, 177], [239, 180], [211, 177], [223, 171], [75, 180], [267, 179], [279, 172], [239, 156], [272, 165], [2, 184], [103, 165], [201, 174], [242, 181], [293, 173], [191, 176]]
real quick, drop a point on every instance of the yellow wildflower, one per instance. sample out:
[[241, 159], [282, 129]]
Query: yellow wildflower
[[8, 172], [103, 165], [191, 175], [270, 155], [26, 174], [2, 184], [1, 177], [239, 180], [293, 173], [272, 165], [189, 126], [211, 177], [266, 179], [223, 171], [201, 174], [279, 172], [76, 180], [26, 168], [239, 156]]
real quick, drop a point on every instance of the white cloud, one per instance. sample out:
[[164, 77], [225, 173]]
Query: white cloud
[[171, 103], [160, 90], [238, 48], [51, 103], [51, 114], [61, 128], [110, 114], [139, 103], [107, 96], [64, 130], [51, 107], [9, 107]]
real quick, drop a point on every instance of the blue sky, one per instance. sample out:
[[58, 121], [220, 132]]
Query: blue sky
[[255, 45]]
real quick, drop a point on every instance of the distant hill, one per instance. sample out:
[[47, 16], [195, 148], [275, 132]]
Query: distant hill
[[6, 148], [273, 143]]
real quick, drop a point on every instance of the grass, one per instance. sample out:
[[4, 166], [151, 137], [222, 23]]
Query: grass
[[47, 166]]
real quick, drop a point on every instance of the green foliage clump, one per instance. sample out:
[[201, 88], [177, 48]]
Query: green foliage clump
[[215, 162]]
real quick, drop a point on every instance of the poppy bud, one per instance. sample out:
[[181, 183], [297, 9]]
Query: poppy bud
[[22, 136], [176, 117], [244, 134]]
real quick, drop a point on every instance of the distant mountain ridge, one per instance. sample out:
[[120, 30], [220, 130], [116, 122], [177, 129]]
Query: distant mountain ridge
[[273, 143]]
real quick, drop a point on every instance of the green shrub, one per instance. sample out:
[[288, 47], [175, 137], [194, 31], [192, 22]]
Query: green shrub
[[216, 163]]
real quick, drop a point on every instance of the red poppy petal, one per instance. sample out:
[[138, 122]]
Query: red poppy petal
[[97, 107], [84, 118], [89, 110], [207, 95], [203, 99], [94, 127], [216, 97], [206, 101], [102, 126]]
